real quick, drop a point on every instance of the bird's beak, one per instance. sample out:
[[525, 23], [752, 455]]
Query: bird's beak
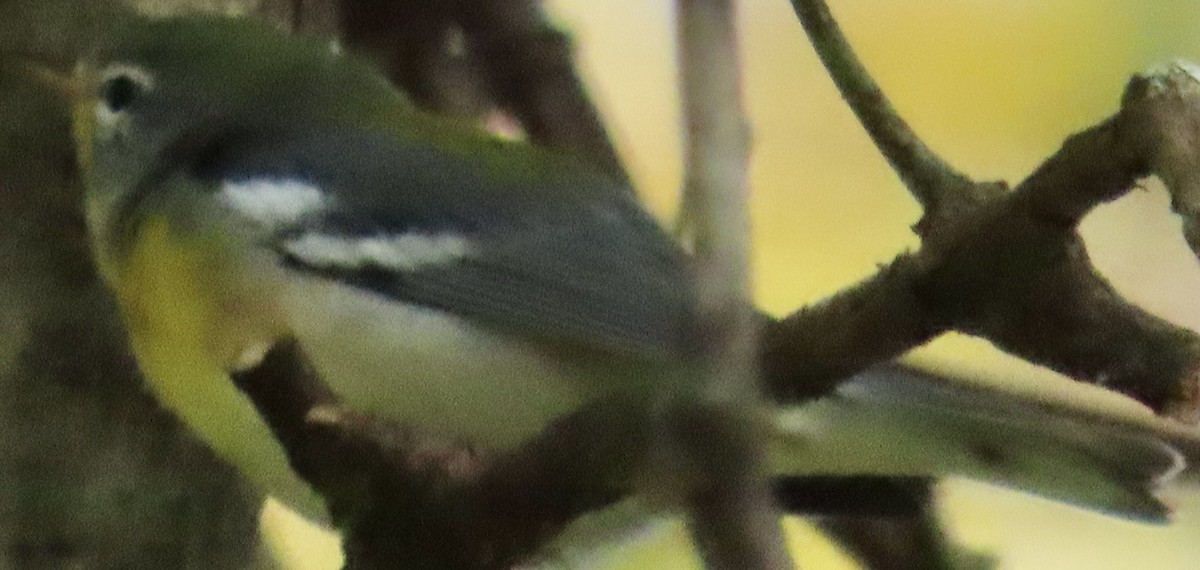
[[78, 89], [67, 85]]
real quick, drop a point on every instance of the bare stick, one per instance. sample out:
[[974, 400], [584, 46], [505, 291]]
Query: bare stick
[[927, 176], [1012, 270], [1010, 267], [407, 498], [808, 353], [1167, 102], [733, 517]]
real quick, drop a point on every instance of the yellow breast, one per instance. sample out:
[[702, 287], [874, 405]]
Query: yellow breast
[[186, 317]]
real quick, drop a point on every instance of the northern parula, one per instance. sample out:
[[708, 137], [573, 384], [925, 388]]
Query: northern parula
[[245, 185]]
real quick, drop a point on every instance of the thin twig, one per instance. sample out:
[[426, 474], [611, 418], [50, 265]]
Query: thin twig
[[1010, 267], [734, 519], [807, 354], [908, 543], [716, 185], [409, 498], [1014, 271], [927, 176]]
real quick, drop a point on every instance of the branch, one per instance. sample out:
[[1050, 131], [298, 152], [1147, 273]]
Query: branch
[[915, 543], [733, 516], [992, 263], [403, 497], [1038, 296], [1166, 104], [907, 540], [1009, 266], [930, 179], [407, 498], [807, 354]]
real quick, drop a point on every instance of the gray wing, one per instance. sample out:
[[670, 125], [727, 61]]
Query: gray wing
[[557, 254]]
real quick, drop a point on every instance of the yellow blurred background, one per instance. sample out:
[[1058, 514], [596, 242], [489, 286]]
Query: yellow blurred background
[[994, 86]]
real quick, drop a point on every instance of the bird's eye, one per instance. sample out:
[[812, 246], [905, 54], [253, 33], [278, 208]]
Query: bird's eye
[[119, 92]]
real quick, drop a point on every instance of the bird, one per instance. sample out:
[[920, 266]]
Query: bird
[[245, 185]]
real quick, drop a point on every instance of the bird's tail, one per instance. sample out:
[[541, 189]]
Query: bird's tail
[[902, 423]]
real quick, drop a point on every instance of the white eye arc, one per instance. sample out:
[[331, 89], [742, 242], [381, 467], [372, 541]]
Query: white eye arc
[[119, 86], [120, 82]]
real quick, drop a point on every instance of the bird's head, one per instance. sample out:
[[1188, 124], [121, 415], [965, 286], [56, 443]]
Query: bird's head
[[167, 85]]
